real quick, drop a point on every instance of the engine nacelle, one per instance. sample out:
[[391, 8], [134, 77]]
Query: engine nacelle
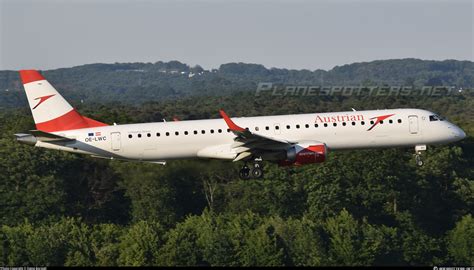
[[305, 153]]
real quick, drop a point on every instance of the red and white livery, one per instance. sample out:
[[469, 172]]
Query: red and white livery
[[296, 139]]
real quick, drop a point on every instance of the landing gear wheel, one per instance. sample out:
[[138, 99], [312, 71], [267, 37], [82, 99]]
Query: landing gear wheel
[[244, 173], [257, 172], [419, 160]]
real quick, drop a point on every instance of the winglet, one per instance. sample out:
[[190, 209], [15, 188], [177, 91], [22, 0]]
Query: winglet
[[232, 126]]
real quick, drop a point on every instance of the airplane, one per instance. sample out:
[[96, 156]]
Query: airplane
[[288, 140]]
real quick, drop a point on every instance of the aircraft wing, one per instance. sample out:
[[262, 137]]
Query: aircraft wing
[[247, 142]]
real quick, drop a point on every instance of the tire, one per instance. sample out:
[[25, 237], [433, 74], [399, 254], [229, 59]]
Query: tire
[[257, 173], [244, 174], [419, 163]]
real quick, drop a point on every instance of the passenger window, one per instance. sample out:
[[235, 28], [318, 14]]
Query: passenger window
[[203, 131], [344, 123], [390, 121], [334, 124], [185, 133], [139, 135], [381, 121], [325, 124], [287, 126], [212, 131], [176, 133], [228, 130], [130, 136], [277, 127], [297, 126], [219, 130], [353, 123], [316, 125], [148, 135], [371, 122], [157, 134], [167, 133], [267, 128], [195, 132], [307, 126], [256, 128], [399, 120], [362, 123]]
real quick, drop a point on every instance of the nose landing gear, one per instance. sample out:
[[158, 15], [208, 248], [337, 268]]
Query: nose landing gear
[[418, 158]]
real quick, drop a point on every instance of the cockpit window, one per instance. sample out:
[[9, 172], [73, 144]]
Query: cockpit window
[[435, 117]]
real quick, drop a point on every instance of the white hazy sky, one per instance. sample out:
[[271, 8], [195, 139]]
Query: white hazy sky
[[48, 34]]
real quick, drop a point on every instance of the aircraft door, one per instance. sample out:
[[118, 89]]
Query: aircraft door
[[116, 141], [413, 122]]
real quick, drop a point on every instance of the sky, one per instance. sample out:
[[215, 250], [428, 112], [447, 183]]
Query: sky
[[50, 34]]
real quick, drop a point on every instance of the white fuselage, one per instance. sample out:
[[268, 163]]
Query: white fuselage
[[211, 138]]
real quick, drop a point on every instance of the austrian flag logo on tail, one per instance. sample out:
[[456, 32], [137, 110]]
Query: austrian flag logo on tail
[[379, 119]]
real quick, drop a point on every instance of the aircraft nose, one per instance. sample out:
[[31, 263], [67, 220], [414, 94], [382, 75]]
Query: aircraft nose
[[462, 134], [458, 133]]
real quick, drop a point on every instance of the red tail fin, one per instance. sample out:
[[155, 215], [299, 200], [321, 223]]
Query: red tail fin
[[50, 110]]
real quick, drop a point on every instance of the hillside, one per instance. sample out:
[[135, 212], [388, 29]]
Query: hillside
[[135, 83], [365, 207]]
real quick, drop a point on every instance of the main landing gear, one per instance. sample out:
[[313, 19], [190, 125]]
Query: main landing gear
[[255, 172], [418, 158]]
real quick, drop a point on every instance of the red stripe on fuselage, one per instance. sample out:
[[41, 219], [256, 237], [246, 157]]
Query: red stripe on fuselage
[[28, 76], [68, 121]]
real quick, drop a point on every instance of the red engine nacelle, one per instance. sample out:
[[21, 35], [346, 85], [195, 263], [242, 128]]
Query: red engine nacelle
[[305, 154]]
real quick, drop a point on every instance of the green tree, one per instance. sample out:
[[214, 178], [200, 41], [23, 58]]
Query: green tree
[[181, 247], [418, 248], [164, 194], [302, 239], [255, 241], [105, 239], [354, 243], [139, 245], [459, 241], [15, 244]]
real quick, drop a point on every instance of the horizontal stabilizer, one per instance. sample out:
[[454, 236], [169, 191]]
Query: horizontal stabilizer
[[49, 137]]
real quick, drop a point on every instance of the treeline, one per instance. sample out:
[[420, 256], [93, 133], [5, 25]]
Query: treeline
[[247, 239], [135, 83], [368, 207]]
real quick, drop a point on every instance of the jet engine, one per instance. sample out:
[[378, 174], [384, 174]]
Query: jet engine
[[305, 153]]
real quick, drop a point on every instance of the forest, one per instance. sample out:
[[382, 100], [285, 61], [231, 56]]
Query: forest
[[365, 207]]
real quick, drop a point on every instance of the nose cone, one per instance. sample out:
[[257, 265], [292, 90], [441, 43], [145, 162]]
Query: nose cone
[[458, 133], [462, 134]]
